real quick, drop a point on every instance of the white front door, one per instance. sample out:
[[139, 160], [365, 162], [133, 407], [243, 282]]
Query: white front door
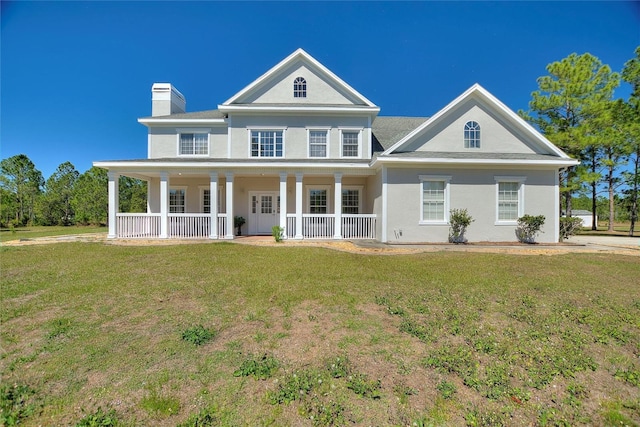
[[264, 210]]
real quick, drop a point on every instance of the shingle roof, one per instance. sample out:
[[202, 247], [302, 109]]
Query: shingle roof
[[389, 130]]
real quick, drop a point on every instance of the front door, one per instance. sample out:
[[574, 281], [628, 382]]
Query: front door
[[264, 209]]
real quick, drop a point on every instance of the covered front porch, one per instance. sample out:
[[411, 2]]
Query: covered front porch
[[183, 205]]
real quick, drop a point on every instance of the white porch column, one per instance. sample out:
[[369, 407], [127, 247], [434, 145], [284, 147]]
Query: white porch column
[[229, 194], [337, 206], [213, 204], [283, 203], [114, 199], [299, 176], [164, 205]]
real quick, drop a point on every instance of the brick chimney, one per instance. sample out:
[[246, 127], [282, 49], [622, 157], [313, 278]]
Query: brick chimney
[[166, 100]]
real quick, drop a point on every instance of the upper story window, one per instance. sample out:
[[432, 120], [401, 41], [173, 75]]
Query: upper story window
[[267, 143], [350, 143], [193, 144], [299, 88], [318, 143], [472, 135]]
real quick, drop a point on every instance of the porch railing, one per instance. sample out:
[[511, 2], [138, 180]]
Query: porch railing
[[189, 226], [197, 226], [222, 225], [322, 226], [360, 226], [138, 225]]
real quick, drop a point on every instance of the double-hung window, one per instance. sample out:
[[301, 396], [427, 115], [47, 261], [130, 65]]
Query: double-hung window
[[205, 200], [193, 144], [434, 199], [350, 143], [509, 199], [350, 201], [318, 201], [471, 135], [318, 143], [267, 143], [177, 200]]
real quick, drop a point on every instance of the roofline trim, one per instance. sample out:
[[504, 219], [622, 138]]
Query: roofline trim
[[441, 160], [124, 164], [476, 89], [298, 109], [289, 59], [169, 121]]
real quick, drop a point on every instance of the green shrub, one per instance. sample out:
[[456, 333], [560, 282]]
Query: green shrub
[[197, 335], [569, 226], [99, 418], [528, 228], [459, 220], [278, 233]]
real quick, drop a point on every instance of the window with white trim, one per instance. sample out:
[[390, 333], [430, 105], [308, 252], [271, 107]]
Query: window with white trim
[[205, 199], [471, 135], [299, 88], [350, 143], [318, 143], [509, 199], [318, 201], [193, 144], [434, 199], [350, 201], [177, 200], [267, 143]]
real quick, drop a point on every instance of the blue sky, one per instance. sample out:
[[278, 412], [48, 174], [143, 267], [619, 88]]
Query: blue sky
[[75, 76]]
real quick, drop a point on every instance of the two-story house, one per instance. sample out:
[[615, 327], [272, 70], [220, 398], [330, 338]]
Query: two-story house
[[302, 149]]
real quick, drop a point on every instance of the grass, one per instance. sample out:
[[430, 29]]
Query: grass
[[93, 330], [32, 232]]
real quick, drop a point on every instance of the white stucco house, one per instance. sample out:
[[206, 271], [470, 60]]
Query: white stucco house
[[302, 149]]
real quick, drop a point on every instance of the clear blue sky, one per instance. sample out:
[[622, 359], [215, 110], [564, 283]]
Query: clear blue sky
[[75, 76]]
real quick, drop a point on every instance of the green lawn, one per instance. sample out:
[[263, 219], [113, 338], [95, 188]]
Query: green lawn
[[237, 335], [40, 231]]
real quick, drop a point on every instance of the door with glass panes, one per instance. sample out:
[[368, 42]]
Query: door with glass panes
[[264, 210]]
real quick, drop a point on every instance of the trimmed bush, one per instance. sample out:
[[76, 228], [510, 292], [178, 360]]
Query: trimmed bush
[[529, 227], [459, 220]]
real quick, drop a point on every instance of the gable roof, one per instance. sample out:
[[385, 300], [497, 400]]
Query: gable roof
[[302, 57], [478, 92]]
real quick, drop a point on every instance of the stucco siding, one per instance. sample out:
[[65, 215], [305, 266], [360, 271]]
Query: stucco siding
[[164, 142], [496, 134], [280, 89], [474, 190], [295, 134]]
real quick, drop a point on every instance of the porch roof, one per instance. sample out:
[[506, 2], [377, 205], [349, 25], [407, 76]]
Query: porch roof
[[142, 168]]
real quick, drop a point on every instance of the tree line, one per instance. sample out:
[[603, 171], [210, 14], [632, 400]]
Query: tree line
[[65, 198], [573, 107]]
